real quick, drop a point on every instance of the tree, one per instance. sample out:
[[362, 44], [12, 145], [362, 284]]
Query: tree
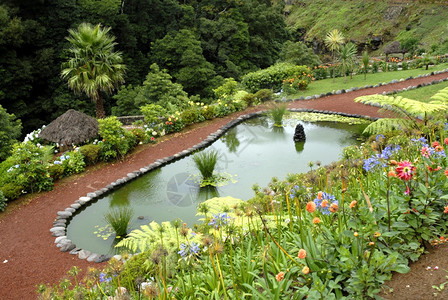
[[181, 54], [93, 66], [347, 58], [334, 41], [299, 54]]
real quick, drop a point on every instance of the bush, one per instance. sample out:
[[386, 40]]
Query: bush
[[272, 77], [153, 113], [191, 115], [2, 201], [173, 124], [139, 135], [91, 153], [404, 66], [56, 171], [250, 99], [320, 72], [208, 112], [228, 89], [73, 162], [29, 167], [375, 67], [114, 144], [264, 95], [11, 190]]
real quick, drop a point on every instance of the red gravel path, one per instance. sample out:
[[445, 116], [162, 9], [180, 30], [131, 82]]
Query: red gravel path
[[25, 240]]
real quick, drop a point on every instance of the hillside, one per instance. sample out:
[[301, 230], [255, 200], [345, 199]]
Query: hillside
[[369, 23]]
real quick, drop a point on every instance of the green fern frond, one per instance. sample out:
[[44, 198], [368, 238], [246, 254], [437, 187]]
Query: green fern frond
[[386, 125], [441, 97], [402, 105]]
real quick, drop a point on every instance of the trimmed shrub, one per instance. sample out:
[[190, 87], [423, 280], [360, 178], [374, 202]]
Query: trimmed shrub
[[56, 171], [191, 115], [264, 95], [250, 99], [91, 153], [208, 112], [272, 77], [114, 144], [11, 191]]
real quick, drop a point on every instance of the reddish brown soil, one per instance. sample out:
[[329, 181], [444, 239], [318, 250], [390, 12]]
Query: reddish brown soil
[[28, 255]]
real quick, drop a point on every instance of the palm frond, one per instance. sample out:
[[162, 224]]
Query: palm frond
[[441, 97]]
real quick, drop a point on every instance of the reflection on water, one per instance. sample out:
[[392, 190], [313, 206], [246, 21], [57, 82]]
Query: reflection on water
[[252, 152]]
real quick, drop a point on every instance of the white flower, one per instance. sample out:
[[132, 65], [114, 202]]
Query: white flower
[[5, 261]]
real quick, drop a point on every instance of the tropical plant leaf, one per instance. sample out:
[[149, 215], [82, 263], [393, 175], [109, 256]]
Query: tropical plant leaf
[[441, 97], [386, 125], [403, 106]]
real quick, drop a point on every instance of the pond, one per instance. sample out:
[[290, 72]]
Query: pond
[[250, 153]]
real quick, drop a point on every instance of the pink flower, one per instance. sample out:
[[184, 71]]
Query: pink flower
[[425, 151], [405, 170]]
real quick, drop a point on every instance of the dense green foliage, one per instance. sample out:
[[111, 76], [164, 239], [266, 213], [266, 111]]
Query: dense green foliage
[[10, 129], [198, 42]]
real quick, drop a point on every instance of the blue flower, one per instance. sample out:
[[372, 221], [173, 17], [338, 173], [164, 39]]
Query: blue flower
[[187, 250], [219, 220], [379, 136], [103, 278], [330, 199]]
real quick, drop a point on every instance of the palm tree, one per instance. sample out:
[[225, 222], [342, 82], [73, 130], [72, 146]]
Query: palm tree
[[93, 65], [347, 58], [334, 41]]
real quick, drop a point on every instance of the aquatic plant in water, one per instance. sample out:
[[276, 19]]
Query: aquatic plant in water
[[205, 162], [277, 114], [119, 220]]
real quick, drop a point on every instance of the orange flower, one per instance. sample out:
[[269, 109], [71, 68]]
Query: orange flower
[[311, 207], [377, 234], [371, 243], [438, 148], [334, 207], [302, 253], [446, 210], [280, 276], [393, 162], [355, 233], [435, 144], [324, 203], [319, 195], [353, 203], [445, 141], [305, 270], [392, 173], [316, 220], [446, 172]]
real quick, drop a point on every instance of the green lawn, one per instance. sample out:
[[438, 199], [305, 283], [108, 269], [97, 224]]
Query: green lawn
[[423, 94], [327, 85]]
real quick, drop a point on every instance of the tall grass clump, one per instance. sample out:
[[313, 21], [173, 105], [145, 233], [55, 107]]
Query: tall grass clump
[[119, 220], [205, 162], [277, 114]]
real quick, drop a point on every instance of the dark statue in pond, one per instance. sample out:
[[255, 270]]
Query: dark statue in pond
[[299, 134]]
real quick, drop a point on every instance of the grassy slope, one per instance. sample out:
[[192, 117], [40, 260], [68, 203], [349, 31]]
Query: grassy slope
[[360, 19], [423, 94], [327, 85]]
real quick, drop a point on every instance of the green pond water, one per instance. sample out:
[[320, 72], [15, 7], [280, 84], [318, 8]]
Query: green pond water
[[252, 152]]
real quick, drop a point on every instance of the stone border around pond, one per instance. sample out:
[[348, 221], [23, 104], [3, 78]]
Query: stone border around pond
[[63, 217]]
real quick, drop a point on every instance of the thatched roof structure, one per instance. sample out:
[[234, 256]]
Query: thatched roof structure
[[394, 47], [72, 127]]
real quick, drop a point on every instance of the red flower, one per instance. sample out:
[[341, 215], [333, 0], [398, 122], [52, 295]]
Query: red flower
[[311, 207], [425, 151], [445, 141], [405, 170], [435, 144]]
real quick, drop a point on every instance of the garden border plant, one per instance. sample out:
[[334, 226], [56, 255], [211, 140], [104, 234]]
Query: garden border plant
[[63, 217]]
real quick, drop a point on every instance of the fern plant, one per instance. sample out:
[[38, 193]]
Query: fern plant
[[407, 111]]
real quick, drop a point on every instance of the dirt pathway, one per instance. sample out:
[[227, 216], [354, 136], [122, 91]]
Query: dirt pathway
[[28, 255]]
